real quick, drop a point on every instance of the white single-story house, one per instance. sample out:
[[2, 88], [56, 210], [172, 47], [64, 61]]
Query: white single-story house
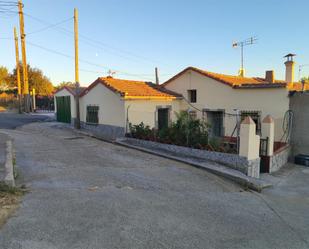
[[109, 105], [218, 98], [65, 104]]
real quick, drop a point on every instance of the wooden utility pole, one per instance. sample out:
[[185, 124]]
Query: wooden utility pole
[[33, 100], [24, 59], [77, 120], [17, 71]]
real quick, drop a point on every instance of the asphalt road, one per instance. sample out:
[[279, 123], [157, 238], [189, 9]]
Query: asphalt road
[[88, 194], [13, 120]]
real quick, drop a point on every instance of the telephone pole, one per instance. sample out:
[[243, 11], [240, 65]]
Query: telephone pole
[[17, 71], [24, 59], [77, 120]]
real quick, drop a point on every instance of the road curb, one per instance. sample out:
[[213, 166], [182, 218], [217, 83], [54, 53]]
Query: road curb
[[233, 175], [9, 164]]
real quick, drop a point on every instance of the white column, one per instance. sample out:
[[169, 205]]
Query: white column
[[249, 146], [268, 131]]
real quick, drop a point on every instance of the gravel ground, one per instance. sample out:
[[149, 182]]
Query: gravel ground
[[86, 193]]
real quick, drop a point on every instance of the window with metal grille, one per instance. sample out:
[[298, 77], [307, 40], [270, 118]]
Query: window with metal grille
[[92, 114], [192, 95], [256, 117], [193, 114]]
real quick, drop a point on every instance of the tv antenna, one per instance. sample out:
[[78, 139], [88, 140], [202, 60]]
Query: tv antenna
[[242, 44], [111, 73]]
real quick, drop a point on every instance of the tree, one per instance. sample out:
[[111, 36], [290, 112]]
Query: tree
[[305, 79], [4, 77], [37, 80], [65, 83]]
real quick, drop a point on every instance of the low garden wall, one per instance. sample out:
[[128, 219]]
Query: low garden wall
[[280, 158], [108, 132], [234, 161]]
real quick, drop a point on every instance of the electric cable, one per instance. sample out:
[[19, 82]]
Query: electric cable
[[81, 60]]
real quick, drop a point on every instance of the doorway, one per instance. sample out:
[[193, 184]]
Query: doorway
[[216, 121], [63, 109], [163, 118]]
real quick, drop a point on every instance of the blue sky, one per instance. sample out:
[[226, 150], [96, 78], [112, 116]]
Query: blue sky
[[134, 36]]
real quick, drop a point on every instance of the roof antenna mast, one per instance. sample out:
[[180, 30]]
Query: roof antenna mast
[[242, 44]]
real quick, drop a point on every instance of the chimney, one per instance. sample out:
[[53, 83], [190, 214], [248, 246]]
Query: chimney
[[270, 76], [157, 76], [289, 68]]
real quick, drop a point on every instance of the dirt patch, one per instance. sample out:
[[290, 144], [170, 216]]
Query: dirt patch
[[2, 109], [9, 202]]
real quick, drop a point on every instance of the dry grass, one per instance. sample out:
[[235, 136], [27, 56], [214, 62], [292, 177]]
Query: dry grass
[[2, 109], [9, 201]]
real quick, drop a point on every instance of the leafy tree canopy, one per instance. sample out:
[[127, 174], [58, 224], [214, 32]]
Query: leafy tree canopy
[[37, 80], [65, 83], [4, 76], [306, 79]]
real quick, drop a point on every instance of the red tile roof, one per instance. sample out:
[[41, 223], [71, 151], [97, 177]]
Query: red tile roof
[[233, 81], [72, 90], [132, 89], [298, 86]]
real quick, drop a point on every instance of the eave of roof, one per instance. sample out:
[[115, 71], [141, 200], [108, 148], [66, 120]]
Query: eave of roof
[[258, 82], [166, 94], [66, 88]]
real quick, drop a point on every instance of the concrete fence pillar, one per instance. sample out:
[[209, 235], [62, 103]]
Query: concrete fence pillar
[[249, 142], [249, 146], [268, 131]]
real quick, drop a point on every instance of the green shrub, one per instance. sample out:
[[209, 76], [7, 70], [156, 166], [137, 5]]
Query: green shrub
[[140, 131], [185, 131]]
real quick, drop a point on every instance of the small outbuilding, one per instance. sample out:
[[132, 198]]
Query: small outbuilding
[[65, 107], [109, 105]]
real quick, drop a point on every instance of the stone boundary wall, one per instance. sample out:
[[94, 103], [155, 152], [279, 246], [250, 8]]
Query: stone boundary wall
[[108, 132], [279, 159], [248, 167]]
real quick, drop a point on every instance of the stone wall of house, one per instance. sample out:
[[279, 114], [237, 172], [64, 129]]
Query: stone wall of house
[[279, 159], [234, 161], [299, 104]]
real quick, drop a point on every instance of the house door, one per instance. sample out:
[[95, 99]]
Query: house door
[[215, 120], [63, 109], [162, 118]]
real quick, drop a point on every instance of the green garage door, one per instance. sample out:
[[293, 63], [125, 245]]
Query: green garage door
[[64, 109]]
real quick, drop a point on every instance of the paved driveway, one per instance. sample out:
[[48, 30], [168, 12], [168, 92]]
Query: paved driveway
[[14, 120], [88, 194]]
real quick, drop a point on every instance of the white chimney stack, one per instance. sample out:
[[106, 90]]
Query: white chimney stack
[[289, 68]]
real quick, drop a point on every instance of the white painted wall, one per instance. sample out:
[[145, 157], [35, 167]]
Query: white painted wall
[[146, 110], [65, 92], [212, 94], [111, 106]]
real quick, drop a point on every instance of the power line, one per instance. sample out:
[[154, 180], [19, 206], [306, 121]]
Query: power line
[[82, 60], [50, 26], [99, 44]]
